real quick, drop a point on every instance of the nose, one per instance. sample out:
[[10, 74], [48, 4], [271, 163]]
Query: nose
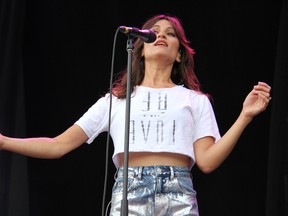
[[161, 35]]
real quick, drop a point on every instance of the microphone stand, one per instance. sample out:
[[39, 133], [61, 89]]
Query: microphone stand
[[124, 203]]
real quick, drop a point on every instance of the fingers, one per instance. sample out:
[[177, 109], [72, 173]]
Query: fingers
[[263, 90], [262, 86], [264, 97]]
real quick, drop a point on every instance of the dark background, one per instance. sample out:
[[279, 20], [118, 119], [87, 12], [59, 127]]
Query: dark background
[[55, 62]]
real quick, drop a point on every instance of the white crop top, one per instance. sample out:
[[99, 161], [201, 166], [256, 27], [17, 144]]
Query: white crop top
[[161, 120]]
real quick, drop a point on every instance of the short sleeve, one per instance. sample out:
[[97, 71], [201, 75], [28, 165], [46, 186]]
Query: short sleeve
[[95, 120], [206, 124]]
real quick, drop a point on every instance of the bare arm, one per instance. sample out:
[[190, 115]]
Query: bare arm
[[45, 147], [210, 155]]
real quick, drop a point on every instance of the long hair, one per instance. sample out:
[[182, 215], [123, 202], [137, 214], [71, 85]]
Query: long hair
[[182, 72]]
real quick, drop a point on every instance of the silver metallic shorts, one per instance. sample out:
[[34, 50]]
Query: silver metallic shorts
[[156, 191]]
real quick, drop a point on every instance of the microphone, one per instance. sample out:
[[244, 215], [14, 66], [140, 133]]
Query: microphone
[[147, 35]]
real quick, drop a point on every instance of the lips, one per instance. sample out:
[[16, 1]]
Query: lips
[[160, 43]]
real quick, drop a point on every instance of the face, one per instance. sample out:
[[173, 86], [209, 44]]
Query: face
[[166, 45]]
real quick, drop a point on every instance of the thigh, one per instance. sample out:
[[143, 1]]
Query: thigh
[[140, 196], [177, 197]]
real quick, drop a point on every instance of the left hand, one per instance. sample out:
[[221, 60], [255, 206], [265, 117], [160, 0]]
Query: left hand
[[257, 100]]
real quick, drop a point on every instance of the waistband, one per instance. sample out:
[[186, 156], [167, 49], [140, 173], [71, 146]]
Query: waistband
[[159, 171]]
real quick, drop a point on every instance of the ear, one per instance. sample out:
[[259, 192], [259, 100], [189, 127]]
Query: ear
[[178, 57]]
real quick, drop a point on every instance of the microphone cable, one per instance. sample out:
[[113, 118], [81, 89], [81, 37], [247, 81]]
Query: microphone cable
[[109, 122]]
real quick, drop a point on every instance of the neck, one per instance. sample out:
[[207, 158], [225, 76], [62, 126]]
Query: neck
[[157, 78]]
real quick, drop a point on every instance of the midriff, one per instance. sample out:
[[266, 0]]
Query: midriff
[[153, 159]]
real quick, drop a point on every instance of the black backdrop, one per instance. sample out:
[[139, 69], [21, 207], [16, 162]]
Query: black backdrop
[[55, 63]]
